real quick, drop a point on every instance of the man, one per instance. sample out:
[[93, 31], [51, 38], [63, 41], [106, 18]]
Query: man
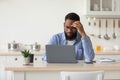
[[74, 34]]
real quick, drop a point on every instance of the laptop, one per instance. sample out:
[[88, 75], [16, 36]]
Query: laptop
[[60, 54]]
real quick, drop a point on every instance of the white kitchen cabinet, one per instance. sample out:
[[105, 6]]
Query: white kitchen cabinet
[[102, 8], [18, 59], [55, 75], [37, 59], [14, 59], [2, 59], [2, 72]]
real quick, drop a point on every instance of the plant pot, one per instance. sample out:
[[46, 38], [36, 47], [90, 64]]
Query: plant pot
[[27, 60]]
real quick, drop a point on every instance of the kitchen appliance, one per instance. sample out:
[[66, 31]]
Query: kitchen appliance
[[99, 36], [89, 23], [106, 37], [118, 23], [13, 46], [116, 47], [96, 7], [36, 47], [114, 35]]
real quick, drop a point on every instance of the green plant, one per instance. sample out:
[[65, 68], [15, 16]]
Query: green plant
[[25, 53]]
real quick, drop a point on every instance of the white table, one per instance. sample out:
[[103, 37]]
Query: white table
[[45, 71]]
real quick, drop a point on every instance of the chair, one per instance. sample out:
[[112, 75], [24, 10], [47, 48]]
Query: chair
[[90, 75]]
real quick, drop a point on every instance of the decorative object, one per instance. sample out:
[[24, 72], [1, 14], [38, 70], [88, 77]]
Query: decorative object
[[13, 46], [26, 54]]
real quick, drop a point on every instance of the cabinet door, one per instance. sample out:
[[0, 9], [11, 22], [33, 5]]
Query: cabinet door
[[102, 8], [2, 59], [14, 59], [100, 5], [37, 59], [2, 72]]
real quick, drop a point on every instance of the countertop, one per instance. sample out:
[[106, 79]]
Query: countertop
[[43, 66], [18, 53], [107, 52], [39, 53]]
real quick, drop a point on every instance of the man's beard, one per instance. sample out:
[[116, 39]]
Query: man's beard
[[71, 37]]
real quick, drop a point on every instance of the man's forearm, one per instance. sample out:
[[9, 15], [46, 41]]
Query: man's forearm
[[88, 50]]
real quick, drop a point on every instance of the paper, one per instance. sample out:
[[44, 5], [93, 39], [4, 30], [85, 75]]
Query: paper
[[105, 60]]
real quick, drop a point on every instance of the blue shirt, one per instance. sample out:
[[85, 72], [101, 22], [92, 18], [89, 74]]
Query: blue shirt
[[83, 46]]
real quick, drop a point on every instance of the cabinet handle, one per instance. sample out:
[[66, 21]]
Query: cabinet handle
[[16, 59], [35, 58]]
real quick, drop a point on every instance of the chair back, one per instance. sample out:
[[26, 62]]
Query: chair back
[[90, 75]]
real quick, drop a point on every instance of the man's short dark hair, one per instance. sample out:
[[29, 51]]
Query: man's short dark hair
[[72, 16]]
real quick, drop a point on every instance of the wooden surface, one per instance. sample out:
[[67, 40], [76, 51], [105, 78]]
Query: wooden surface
[[81, 66], [15, 53], [108, 53]]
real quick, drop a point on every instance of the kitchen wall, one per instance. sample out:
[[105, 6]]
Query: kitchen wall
[[29, 21]]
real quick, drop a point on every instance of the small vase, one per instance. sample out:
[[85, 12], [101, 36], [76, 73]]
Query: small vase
[[27, 60]]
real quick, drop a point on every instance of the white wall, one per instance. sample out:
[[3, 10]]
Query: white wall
[[28, 21]]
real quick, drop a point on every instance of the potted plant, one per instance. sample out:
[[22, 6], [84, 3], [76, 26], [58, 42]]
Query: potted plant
[[26, 54]]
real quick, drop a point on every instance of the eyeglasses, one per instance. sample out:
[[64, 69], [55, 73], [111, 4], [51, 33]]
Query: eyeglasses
[[70, 27]]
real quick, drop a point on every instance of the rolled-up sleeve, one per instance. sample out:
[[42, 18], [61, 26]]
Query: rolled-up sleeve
[[87, 49]]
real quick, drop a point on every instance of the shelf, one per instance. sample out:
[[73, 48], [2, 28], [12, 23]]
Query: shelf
[[108, 53], [103, 16]]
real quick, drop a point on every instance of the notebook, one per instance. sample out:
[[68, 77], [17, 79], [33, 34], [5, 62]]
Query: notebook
[[60, 54]]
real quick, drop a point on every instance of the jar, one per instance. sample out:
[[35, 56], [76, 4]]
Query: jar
[[98, 48], [13, 46], [36, 47], [96, 7]]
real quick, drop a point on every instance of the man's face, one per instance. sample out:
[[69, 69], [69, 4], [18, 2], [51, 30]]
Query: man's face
[[70, 31]]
